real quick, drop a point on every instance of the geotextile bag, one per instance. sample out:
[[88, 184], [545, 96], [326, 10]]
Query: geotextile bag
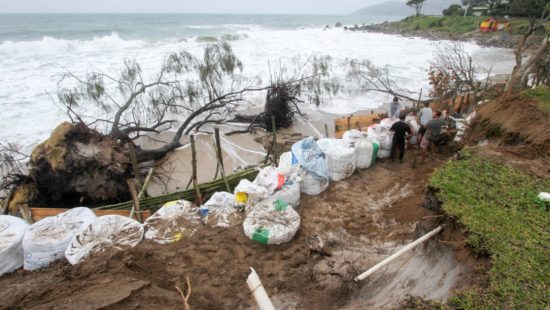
[[271, 222], [105, 232], [340, 156], [12, 230], [175, 220], [46, 240], [220, 211], [290, 192], [364, 147], [247, 193]]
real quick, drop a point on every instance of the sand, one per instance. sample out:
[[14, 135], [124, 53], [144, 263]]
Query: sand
[[359, 221]]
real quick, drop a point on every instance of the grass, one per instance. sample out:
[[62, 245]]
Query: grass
[[454, 24], [542, 95], [499, 209]]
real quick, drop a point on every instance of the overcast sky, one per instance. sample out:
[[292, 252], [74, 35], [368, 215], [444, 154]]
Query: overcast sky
[[185, 6]]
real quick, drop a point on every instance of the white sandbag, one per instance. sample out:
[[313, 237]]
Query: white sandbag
[[384, 138], [289, 167], [247, 193], [105, 232], [175, 220], [364, 148], [46, 240], [340, 156], [271, 222], [311, 158], [386, 123], [220, 211], [415, 128], [12, 230], [290, 192], [312, 186], [270, 178]]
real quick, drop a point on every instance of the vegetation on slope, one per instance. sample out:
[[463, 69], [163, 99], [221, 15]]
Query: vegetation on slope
[[454, 24], [542, 95], [503, 217]]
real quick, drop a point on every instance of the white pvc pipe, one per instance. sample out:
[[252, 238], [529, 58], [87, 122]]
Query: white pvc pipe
[[255, 285], [397, 254]]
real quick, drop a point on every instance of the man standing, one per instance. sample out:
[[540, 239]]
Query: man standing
[[433, 130], [394, 108], [425, 116], [400, 129]]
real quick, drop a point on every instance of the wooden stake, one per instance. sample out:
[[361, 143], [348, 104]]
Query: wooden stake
[[220, 158], [133, 192], [274, 147], [145, 183], [133, 158], [194, 165], [349, 122], [326, 130]]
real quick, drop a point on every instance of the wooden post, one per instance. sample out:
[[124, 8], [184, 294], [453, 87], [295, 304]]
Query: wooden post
[[326, 130], [133, 158], [194, 165], [145, 183], [135, 198], [274, 147], [220, 157], [349, 122], [419, 100]]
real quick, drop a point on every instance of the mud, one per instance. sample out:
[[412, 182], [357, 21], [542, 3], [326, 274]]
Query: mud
[[345, 230]]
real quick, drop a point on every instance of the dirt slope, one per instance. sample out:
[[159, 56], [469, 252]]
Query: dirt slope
[[360, 221]]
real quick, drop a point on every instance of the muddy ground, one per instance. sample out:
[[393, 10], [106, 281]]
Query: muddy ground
[[360, 221]]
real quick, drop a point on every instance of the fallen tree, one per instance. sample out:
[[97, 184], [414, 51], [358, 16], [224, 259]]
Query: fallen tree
[[88, 160]]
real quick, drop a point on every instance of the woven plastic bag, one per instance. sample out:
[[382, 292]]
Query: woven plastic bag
[[311, 158], [270, 178], [290, 192], [247, 193], [271, 222], [105, 232], [340, 156], [220, 211], [12, 230], [364, 148], [46, 240], [175, 220], [312, 186]]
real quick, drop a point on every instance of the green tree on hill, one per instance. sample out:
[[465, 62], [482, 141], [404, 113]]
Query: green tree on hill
[[417, 5], [453, 10]]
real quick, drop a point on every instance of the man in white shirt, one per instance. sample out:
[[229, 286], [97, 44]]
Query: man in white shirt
[[394, 108], [426, 115]]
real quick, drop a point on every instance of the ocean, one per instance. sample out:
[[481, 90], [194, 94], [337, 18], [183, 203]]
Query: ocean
[[36, 49]]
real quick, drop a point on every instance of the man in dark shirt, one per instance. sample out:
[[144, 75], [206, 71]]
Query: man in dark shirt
[[400, 130]]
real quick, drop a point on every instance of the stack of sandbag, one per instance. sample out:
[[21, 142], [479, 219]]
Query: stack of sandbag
[[340, 156], [312, 161], [415, 127], [381, 133], [105, 232], [12, 230], [366, 149], [220, 211], [271, 222], [172, 222], [46, 240], [248, 193]]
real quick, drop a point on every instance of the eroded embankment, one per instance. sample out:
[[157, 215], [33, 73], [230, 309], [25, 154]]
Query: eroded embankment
[[359, 221]]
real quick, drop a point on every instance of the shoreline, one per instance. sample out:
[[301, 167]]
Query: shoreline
[[502, 40]]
